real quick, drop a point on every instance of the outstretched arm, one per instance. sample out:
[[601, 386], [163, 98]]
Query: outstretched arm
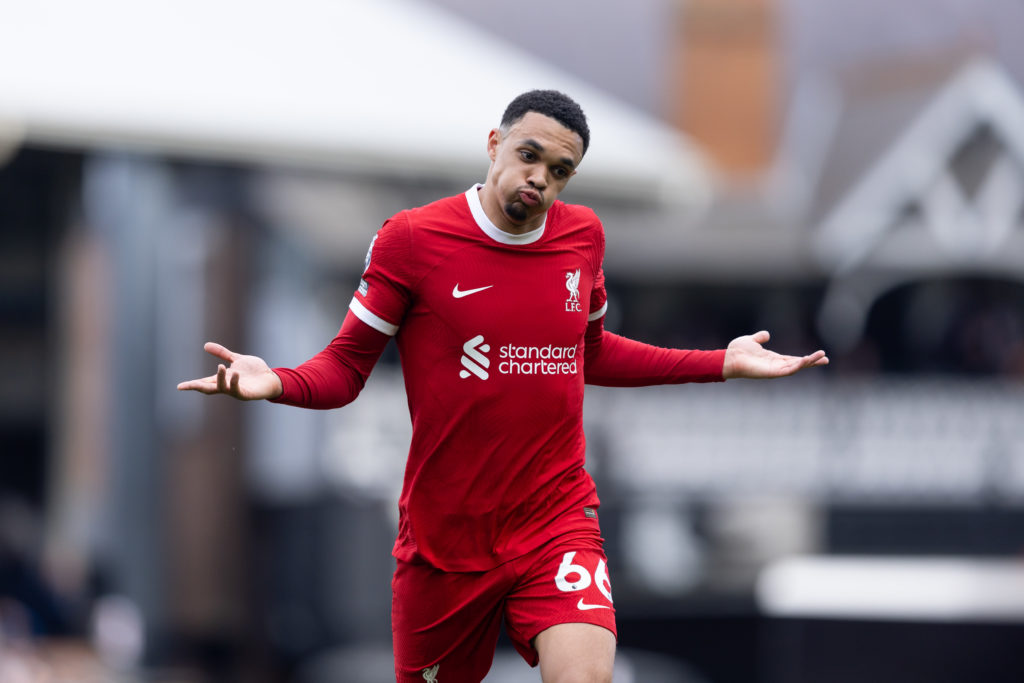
[[247, 378], [612, 360], [746, 357], [330, 379]]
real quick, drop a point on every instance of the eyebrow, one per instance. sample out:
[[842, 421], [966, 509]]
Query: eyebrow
[[530, 142]]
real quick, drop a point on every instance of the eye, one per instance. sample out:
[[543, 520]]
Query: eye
[[560, 172], [526, 155]]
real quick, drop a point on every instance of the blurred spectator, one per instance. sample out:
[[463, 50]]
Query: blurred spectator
[[28, 606]]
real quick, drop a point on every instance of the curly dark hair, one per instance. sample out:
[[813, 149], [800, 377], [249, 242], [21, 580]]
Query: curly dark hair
[[553, 103]]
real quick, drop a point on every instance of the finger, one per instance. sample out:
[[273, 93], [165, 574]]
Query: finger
[[794, 365], [761, 337], [189, 383], [814, 360], [199, 384], [789, 365], [221, 352], [233, 383], [817, 358], [814, 357], [222, 379]]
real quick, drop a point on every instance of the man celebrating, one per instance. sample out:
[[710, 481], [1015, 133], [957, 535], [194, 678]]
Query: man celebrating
[[496, 299]]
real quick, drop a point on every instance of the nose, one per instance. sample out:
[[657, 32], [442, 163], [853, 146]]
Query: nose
[[538, 177]]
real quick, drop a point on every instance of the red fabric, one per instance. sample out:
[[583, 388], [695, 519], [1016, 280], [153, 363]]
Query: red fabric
[[336, 375], [497, 449], [614, 361], [451, 620], [495, 339]]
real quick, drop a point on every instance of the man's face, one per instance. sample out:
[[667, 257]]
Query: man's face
[[531, 163]]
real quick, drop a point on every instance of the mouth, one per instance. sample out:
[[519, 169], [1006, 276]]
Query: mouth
[[529, 197]]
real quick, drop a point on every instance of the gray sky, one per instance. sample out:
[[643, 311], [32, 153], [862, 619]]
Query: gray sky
[[621, 51], [832, 34], [622, 48]]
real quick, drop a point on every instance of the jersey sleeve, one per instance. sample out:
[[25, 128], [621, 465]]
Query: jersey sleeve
[[336, 375], [598, 298], [384, 289], [598, 295], [614, 361]]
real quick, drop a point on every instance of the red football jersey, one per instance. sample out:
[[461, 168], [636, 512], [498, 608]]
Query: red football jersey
[[490, 329]]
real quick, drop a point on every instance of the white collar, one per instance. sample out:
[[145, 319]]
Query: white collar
[[493, 231]]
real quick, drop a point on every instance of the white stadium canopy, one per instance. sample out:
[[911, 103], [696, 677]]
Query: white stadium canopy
[[394, 86]]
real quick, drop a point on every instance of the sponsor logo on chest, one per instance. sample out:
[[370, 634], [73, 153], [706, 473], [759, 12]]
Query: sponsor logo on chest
[[514, 359]]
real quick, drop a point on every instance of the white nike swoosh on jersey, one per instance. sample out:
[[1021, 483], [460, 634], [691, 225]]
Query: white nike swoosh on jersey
[[584, 606], [458, 294]]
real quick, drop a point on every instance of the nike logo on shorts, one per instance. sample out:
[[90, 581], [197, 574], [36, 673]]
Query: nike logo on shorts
[[584, 606], [458, 293]]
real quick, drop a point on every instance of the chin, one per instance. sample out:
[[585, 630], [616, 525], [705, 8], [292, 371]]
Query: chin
[[516, 213]]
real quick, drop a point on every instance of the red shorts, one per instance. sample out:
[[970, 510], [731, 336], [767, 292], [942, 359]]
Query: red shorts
[[451, 620]]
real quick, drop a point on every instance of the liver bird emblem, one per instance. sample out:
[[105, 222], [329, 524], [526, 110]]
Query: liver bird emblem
[[572, 283]]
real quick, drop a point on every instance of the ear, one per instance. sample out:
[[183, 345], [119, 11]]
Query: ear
[[493, 141]]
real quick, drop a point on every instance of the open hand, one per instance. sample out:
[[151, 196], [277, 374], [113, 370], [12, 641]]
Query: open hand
[[247, 378], [746, 357]]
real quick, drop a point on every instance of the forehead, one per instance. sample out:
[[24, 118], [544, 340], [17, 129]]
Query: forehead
[[552, 135]]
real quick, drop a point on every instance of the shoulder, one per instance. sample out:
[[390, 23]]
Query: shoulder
[[576, 212], [446, 209], [576, 219], [408, 224], [575, 216], [394, 231], [415, 237]]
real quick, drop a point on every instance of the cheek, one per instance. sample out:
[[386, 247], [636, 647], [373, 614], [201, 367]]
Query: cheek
[[501, 165], [511, 175]]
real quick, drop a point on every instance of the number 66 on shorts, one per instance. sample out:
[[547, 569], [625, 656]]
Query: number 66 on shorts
[[573, 577]]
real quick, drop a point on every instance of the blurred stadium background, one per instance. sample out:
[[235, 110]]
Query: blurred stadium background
[[846, 175]]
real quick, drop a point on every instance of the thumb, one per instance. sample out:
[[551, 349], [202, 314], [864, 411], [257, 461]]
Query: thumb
[[761, 337], [219, 351]]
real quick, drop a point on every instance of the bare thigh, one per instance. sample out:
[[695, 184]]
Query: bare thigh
[[571, 653]]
